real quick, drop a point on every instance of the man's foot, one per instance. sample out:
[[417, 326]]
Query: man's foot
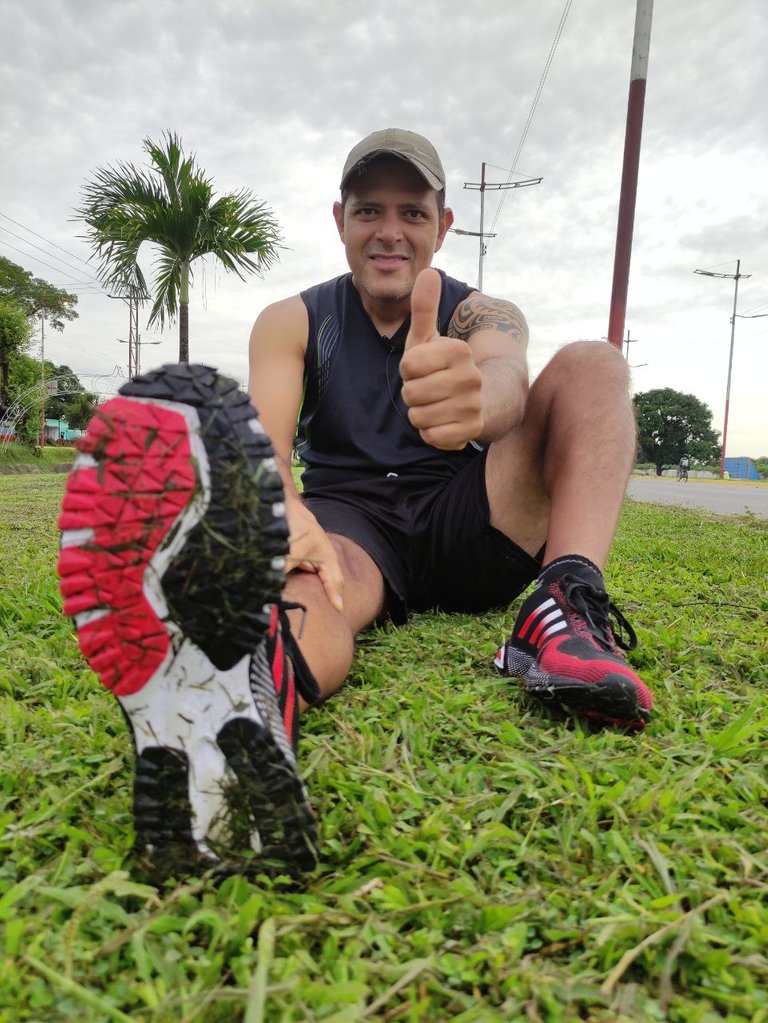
[[172, 564], [564, 649]]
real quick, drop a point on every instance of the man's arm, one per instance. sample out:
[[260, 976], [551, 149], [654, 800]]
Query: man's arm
[[276, 380], [276, 375], [472, 384], [497, 335]]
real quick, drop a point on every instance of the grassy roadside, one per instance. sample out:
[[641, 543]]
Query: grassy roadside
[[18, 457], [702, 479], [481, 862]]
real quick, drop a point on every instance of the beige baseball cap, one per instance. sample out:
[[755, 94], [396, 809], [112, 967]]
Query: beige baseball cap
[[409, 146]]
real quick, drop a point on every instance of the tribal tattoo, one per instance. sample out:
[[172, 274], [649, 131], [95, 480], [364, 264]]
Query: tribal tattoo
[[478, 312]]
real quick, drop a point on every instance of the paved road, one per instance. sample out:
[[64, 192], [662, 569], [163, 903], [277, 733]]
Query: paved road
[[726, 497]]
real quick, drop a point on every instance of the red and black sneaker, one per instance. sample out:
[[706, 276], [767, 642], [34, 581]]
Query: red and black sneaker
[[565, 650], [172, 563]]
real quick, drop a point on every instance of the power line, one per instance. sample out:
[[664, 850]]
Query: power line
[[537, 97], [754, 308], [45, 253], [31, 255], [46, 240]]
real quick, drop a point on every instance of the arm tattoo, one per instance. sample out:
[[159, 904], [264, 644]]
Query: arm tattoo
[[478, 312]]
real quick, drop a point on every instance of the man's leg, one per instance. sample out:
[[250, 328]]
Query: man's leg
[[172, 566], [325, 636], [559, 480]]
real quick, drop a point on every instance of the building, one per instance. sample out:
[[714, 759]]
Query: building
[[57, 431], [742, 469]]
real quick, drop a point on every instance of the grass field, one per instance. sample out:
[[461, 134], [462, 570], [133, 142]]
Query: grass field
[[480, 861], [17, 456]]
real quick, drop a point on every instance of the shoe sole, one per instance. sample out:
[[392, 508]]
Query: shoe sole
[[611, 701], [173, 549]]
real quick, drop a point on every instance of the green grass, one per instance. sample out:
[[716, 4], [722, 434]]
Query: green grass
[[14, 456], [481, 862]]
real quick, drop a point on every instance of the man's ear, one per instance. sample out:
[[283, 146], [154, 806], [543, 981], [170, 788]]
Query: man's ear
[[338, 216], [446, 221]]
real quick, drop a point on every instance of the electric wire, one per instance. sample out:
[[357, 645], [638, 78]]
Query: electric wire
[[30, 255], [43, 238], [46, 253], [537, 97]]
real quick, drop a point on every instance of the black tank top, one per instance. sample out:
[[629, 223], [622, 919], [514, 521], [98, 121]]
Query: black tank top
[[353, 418]]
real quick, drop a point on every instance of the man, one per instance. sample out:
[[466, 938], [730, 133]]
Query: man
[[435, 477]]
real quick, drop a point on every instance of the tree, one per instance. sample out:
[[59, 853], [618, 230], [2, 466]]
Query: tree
[[68, 388], [35, 295], [15, 332], [81, 410], [670, 423], [24, 387], [172, 206]]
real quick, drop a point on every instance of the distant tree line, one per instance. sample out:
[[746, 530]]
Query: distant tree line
[[671, 424], [25, 300]]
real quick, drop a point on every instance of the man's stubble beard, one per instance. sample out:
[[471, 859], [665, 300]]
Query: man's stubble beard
[[381, 295]]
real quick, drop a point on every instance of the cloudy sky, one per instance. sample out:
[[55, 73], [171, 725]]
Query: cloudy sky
[[271, 95]]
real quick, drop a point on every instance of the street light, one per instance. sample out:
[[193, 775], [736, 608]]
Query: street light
[[735, 278], [134, 353], [476, 234]]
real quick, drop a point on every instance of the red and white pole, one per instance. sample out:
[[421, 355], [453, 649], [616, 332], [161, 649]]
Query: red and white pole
[[628, 195]]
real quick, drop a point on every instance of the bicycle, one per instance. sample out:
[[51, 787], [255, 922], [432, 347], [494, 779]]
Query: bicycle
[[682, 473]]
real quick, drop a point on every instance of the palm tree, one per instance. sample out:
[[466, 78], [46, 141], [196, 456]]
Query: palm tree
[[172, 205]]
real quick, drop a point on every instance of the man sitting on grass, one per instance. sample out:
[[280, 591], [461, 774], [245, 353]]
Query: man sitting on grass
[[436, 477]]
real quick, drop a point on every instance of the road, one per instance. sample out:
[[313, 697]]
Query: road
[[726, 497]]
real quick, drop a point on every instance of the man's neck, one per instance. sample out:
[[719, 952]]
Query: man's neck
[[386, 315]]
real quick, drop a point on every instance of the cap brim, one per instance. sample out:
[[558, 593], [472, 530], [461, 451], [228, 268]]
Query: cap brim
[[431, 179]]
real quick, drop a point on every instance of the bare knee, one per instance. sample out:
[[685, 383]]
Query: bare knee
[[325, 637], [588, 361]]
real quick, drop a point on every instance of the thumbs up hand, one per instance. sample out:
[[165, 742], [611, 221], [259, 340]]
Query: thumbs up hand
[[425, 306], [442, 386]]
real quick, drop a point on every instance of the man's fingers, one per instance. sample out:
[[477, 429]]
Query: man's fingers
[[326, 567], [332, 581], [425, 302]]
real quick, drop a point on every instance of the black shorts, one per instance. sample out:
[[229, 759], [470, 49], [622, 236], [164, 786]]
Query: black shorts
[[430, 537]]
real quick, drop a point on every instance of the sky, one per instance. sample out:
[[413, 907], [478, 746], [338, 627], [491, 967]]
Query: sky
[[272, 94]]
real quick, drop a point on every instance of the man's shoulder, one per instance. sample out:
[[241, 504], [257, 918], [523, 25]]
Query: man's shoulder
[[454, 282], [283, 322], [452, 293]]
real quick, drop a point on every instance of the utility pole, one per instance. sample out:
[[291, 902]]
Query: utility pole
[[629, 341], [481, 186], [133, 337], [133, 301], [134, 354], [735, 278], [628, 195], [42, 376]]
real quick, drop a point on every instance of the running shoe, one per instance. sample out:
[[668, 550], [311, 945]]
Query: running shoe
[[172, 563], [565, 651]]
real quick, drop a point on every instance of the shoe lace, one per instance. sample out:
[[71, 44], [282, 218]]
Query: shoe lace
[[598, 610], [303, 678]]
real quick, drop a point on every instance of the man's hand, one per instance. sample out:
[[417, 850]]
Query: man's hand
[[311, 550], [442, 386]]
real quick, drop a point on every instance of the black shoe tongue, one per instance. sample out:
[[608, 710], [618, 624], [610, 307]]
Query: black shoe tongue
[[579, 568]]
